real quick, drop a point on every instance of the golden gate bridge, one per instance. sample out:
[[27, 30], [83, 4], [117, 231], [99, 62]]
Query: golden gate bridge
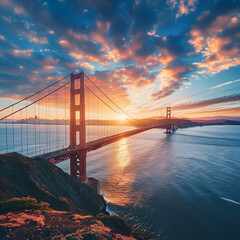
[[66, 120]]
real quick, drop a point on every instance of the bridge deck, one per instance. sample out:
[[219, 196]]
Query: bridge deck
[[63, 154]]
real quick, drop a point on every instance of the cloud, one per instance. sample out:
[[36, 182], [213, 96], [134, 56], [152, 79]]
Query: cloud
[[23, 53], [184, 7], [224, 84], [18, 10], [208, 102], [5, 3], [32, 36], [172, 78], [2, 38], [166, 91], [216, 35], [134, 76], [128, 46], [83, 65]]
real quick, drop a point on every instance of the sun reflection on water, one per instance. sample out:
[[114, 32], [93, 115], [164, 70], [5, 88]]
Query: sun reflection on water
[[121, 176], [123, 154]]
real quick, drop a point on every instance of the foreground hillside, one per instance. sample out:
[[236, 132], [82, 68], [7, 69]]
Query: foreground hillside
[[36, 224], [22, 176], [39, 201]]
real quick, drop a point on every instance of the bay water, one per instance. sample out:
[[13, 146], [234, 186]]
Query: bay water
[[180, 186]]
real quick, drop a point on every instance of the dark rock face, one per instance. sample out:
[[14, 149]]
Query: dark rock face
[[22, 176]]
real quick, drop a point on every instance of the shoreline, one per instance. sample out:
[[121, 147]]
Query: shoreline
[[52, 194]]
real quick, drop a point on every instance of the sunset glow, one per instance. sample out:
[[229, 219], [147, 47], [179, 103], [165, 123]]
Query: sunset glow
[[120, 119], [147, 55]]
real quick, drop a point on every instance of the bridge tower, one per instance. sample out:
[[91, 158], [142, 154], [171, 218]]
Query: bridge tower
[[168, 119], [78, 127]]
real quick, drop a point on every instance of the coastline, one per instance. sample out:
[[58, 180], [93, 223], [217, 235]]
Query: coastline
[[30, 183]]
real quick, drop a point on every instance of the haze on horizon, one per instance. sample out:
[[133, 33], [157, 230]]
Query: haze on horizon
[[145, 54]]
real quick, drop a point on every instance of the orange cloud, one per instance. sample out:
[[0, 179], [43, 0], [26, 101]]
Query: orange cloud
[[33, 76], [49, 64], [64, 43], [197, 40], [50, 61], [48, 69], [2, 38], [5, 3], [78, 36], [171, 79], [166, 58], [165, 91], [80, 64], [36, 39], [87, 57], [170, 75], [114, 82], [18, 10], [218, 48], [22, 53], [184, 6]]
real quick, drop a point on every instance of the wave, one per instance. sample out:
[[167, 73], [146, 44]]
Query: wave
[[107, 205], [209, 137], [230, 200]]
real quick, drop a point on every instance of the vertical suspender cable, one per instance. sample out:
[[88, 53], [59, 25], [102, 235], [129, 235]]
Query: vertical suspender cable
[[6, 127], [39, 128], [65, 117], [21, 132], [49, 122], [56, 122], [13, 131], [47, 145], [55, 99], [35, 130], [27, 127]]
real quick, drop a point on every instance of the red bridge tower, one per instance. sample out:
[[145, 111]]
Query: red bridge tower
[[78, 127], [168, 119]]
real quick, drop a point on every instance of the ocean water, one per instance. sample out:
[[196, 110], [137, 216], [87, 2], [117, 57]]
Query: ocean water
[[182, 186]]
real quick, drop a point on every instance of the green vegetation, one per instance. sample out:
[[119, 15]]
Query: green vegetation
[[19, 204]]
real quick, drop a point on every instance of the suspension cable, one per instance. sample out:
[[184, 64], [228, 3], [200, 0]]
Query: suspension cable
[[34, 93], [35, 101], [105, 102], [110, 98]]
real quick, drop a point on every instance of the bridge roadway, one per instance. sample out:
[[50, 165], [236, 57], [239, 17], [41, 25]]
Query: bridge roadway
[[64, 154]]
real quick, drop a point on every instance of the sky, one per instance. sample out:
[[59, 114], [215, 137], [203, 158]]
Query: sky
[[145, 55]]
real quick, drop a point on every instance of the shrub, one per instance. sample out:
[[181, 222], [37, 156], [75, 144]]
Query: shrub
[[19, 204]]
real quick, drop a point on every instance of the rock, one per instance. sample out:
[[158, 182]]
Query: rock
[[55, 225], [22, 176]]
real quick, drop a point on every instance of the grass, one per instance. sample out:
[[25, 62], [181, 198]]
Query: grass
[[19, 204]]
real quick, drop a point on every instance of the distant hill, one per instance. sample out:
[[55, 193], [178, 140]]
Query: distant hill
[[218, 118]]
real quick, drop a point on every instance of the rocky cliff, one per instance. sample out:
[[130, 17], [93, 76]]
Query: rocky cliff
[[22, 176], [40, 201]]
